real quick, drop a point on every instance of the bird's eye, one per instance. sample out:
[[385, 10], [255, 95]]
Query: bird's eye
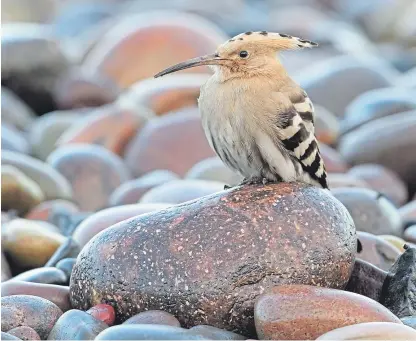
[[243, 54]]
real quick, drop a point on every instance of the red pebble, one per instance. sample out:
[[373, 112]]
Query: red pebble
[[103, 312]]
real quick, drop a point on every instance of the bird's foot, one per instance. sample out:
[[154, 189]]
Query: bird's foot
[[254, 180], [227, 187]]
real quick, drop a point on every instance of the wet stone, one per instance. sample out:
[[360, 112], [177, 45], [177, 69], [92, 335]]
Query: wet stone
[[31, 311], [76, 325], [222, 251], [371, 331], [366, 279], [371, 211], [103, 312], [57, 294], [376, 251], [49, 275], [399, 289], [154, 317], [300, 312], [24, 333]]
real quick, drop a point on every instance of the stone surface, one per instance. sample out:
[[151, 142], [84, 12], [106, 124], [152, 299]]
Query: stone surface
[[376, 104], [382, 180], [48, 210], [389, 147], [147, 332], [129, 51], [108, 217], [28, 11], [49, 275], [66, 265], [29, 243], [377, 251], [397, 242], [57, 294], [18, 191], [165, 95], [47, 130], [371, 212], [76, 325], [326, 126], [334, 163], [154, 317], [300, 312], [371, 331], [131, 191], [366, 279], [334, 83], [212, 333], [32, 61], [164, 144], [342, 180], [51, 182], [103, 312], [12, 139], [109, 126], [31, 311], [179, 191], [222, 251], [410, 234], [7, 336], [93, 171], [399, 289], [24, 333], [409, 321], [213, 169], [14, 111]]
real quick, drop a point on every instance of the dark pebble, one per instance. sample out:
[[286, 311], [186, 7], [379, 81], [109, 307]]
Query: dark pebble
[[24, 333], [366, 279], [76, 325], [154, 317], [31, 311], [399, 289], [49, 275], [57, 294]]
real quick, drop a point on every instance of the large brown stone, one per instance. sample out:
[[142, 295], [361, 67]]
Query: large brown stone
[[390, 146], [299, 312], [207, 260], [164, 143], [372, 212], [110, 126], [93, 171], [51, 182], [141, 45]]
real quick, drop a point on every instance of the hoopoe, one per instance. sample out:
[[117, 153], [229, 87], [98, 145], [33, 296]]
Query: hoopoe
[[256, 118]]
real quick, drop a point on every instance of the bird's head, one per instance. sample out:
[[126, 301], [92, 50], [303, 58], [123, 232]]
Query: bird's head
[[247, 54]]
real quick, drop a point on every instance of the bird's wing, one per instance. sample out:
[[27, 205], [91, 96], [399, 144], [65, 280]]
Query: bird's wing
[[296, 133]]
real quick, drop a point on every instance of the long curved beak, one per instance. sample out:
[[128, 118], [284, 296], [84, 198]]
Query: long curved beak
[[211, 59]]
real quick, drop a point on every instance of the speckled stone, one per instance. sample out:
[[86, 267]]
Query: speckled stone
[[371, 212], [131, 191], [24, 333], [31, 311], [299, 312], [154, 317], [93, 171], [46, 275], [76, 325], [376, 251], [382, 180], [105, 218], [371, 331], [57, 294], [399, 289], [366, 279], [7, 336], [207, 260]]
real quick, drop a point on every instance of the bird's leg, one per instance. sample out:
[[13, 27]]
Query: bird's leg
[[253, 180], [227, 187]]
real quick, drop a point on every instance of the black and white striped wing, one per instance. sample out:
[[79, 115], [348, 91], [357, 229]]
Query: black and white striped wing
[[298, 138]]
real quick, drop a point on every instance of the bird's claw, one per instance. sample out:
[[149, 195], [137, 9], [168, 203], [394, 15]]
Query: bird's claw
[[227, 187], [254, 180]]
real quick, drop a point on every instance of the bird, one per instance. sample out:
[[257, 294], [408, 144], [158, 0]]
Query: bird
[[256, 118]]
